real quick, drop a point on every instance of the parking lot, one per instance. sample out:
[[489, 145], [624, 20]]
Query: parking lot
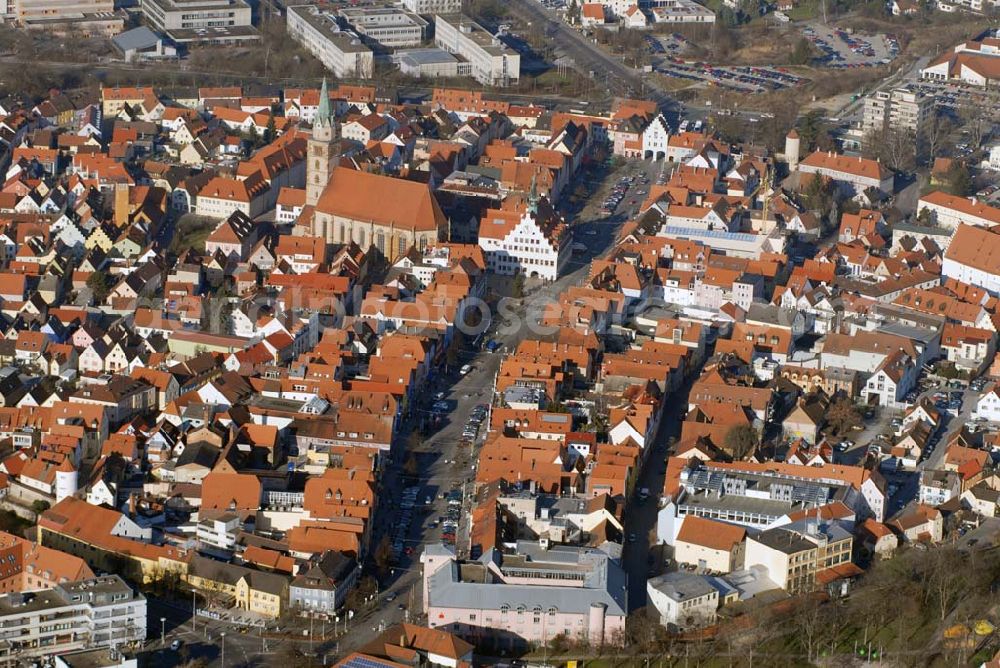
[[629, 189], [954, 96], [661, 45], [745, 78], [841, 49]]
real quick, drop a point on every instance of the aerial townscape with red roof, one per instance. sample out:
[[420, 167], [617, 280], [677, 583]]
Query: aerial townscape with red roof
[[436, 334]]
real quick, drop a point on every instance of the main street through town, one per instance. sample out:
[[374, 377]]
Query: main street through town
[[444, 463]]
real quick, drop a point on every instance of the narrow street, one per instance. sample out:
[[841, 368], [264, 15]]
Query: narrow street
[[640, 517]]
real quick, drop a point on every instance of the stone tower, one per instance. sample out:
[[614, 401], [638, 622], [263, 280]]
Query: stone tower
[[792, 150], [324, 149]]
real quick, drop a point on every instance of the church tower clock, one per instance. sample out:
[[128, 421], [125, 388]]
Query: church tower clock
[[324, 148]]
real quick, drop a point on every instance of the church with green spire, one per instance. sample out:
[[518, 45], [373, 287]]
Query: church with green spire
[[324, 148]]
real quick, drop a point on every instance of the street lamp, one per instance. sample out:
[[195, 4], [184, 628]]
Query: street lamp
[[163, 630], [222, 637]]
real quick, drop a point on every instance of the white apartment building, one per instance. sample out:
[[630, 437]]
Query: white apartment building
[[679, 11], [88, 614], [218, 536], [950, 211], [950, 6], [203, 21], [901, 108], [856, 173], [937, 487], [341, 52], [433, 6], [492, 62], [617, 8], [389, 27], [525, 242]]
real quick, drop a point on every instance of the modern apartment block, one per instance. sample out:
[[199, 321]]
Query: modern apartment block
[[93, 17], [799, 557], [493, 63], [201, 21], [433, 6], [529, 596], [88, 614], [340, 51], [388, 27], [902, 109]]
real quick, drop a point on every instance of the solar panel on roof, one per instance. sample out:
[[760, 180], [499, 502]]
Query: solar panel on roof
[[712, 234], [366, 662]]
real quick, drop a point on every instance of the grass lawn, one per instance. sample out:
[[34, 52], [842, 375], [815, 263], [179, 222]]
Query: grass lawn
[[191, 232], [804, 11]]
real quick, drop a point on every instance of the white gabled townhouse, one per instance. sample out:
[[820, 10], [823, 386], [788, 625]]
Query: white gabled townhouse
[[892, 380], [524, 239], [988, 406]]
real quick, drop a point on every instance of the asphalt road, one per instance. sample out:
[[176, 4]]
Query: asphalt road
[[587, 56], [639, 560], [443, 462]]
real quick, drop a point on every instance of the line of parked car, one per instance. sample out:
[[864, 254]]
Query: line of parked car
[[472, 425], [402, 527], [452, 518], [742, 78], [618, 193]]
